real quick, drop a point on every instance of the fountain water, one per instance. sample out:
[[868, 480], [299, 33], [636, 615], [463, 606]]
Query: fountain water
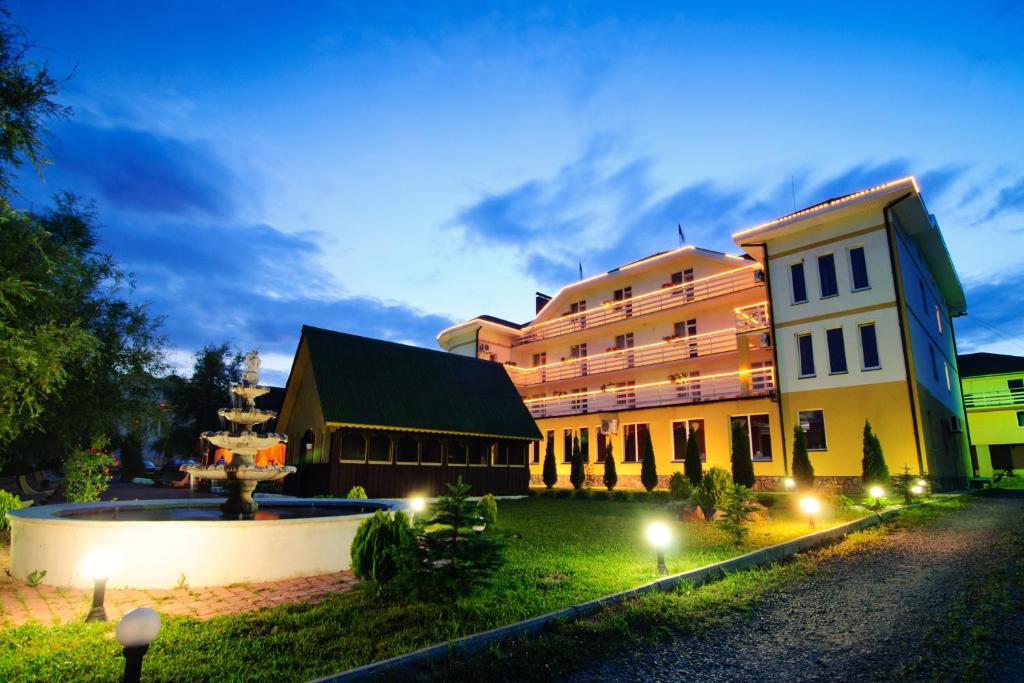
[[241, 475]]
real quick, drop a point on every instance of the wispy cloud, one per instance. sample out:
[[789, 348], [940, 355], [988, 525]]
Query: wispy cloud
[[1009, 200]]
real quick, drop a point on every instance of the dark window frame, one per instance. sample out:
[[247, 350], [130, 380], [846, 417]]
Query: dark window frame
[[830, 272], [809, 433], [864, 348], [797, 282], [836, 351], [859, 263], [800, 357]]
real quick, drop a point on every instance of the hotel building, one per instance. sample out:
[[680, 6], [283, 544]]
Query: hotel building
[[829, 316]]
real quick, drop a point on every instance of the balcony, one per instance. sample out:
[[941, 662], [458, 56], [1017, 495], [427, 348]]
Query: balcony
[[651, 302], [752, 318], [1007, 398], [677, 389], [669, 350]]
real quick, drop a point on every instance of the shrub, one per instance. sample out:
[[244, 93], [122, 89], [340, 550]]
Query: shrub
[[692, 465], [679, 487], [611, 477], [648, 469], [581, 494], [621, 496], [487, 508], [659, 497], [873, 467], [742, 465], [378, 546], [550, 474], [766, 499], [576, 473], [87, 473], [600, 495], [736, 507], [803, 471], [357, 492], [563, 493], [8, 503], [712, 490]]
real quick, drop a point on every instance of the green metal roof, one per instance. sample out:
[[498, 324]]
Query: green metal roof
[[363, 381]]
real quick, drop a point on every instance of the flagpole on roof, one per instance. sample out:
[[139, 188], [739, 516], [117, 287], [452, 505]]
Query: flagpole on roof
[[682, 239], [581, 270]]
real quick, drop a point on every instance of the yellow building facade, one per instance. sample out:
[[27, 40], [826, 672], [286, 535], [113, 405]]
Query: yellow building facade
[[812, 323]]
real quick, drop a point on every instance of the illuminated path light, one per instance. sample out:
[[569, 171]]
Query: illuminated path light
[[658, 535], [789, 484], [810, 507], [877, 492], [98, 566], [136, 630]]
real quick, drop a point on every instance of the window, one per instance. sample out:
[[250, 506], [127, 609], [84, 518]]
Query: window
[[625, 394], [1015, 385], [499, 455], [516, 453], [684, 329], [566, 445], [759, 436], [601, 446], [579, 307], [578, 402], [549, 438], [579, 351], [796, 276], [836, 350], [540, 359], [634, 439], [625, 341], [681, 433], [431, 454], [762, 378], [407, 450], [813, 424], [869, 347], [935, 367], [456, 453], [949, 385], [858, 269], [827, 275], [805, 349], [938, 319], [480, 452], [624, 295], [688, 390], [353, 447], [535, 453], [379, 449], [1020, 418], [678, 279], [585, 443]]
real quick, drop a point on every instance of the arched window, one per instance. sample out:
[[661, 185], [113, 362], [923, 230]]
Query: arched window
[[431, 454], [456, 453], [353, 446], [407, 450], [379, 450]]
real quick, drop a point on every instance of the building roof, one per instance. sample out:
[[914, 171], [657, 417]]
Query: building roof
[[500, 321], [375, 383], [977, 364]]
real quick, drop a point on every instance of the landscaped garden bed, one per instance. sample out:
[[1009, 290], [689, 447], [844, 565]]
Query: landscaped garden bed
[[559, 552]]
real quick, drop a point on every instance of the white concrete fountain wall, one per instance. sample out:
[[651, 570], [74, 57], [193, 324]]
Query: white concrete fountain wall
[[155, 554]]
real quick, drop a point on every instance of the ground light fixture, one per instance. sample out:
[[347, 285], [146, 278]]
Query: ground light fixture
[[136, 630], [98, 566], [877, 492], [658, 535], [417, 504], [810, 507], [917, 490], [789, 483], [922, 483]]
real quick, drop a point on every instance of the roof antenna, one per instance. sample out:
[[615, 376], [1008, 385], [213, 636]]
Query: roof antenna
[[792, 188]]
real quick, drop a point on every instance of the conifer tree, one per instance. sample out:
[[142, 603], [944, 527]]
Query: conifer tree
[[742, 465], [550, 473], [873, 467], [648, 470], [692, 465], [611, 477], [576, 473], [803, 472]]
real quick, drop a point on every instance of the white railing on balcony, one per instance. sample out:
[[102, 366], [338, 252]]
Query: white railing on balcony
[[671, 349], [752, 318], [995, 399], [675, 390], [642, 304]]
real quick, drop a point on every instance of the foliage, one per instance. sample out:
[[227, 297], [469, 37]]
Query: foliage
[[357, 492], [35, 577], [611, 477], [87, 473], [487, 508], [563, 493], [742, 465], [803, 471], [736, 507], [600, 495], [711, 493], [679, 487], [454, 551], [873, 467], [8, 503], [378, 546], [550, 474], [648, 468], [692, 465], [581, 494], [766, 499], [903, 482], [194, 401], [621, 496], [576, 473]]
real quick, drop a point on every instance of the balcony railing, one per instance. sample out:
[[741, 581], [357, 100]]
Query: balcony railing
[[675, 390], [671, 349], [659, 300], [752, 318], [995, 399]]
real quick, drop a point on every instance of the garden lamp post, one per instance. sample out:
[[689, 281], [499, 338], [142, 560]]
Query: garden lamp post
[[917, 489], [658, 535], [789, 483], [98, 567], [417, 505], [810, 507], [922, 483], [136, 630], [877, 492]]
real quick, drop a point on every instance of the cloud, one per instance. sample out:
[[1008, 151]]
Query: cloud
[[858, 177], [1009, 200], [142, 171], [990, 324]]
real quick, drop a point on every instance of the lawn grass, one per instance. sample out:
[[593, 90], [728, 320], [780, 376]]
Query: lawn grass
[[560, 552]]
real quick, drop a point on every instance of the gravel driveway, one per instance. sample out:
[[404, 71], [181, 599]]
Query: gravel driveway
[[856, 619]]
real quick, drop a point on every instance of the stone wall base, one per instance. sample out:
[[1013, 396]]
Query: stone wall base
[[631, 482]]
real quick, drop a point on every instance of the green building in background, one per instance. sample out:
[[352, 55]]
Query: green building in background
[[993, 388]]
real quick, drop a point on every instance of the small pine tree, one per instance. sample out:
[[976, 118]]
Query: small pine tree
[[742, 465], [576, 474], [803, 471], [873, 467], [611, 477], [550, 473], [736, 507], [648, 470], [692, 465]]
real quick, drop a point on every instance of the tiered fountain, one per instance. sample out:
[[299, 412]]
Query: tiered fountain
[[241, 475]]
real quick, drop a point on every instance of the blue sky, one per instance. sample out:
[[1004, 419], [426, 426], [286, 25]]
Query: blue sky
[[389, 168]]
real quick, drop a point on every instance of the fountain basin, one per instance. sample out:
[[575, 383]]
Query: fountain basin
[[151, 544]]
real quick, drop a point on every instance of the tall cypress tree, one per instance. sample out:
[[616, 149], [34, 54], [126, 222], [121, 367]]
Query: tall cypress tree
[[550, 473], [742, 465], [873, 467], [803, 472], [648, 470], [576, 473], [611, 477], [692, 465]]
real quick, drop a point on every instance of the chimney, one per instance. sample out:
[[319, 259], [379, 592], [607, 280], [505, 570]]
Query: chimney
[[542, 300]]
